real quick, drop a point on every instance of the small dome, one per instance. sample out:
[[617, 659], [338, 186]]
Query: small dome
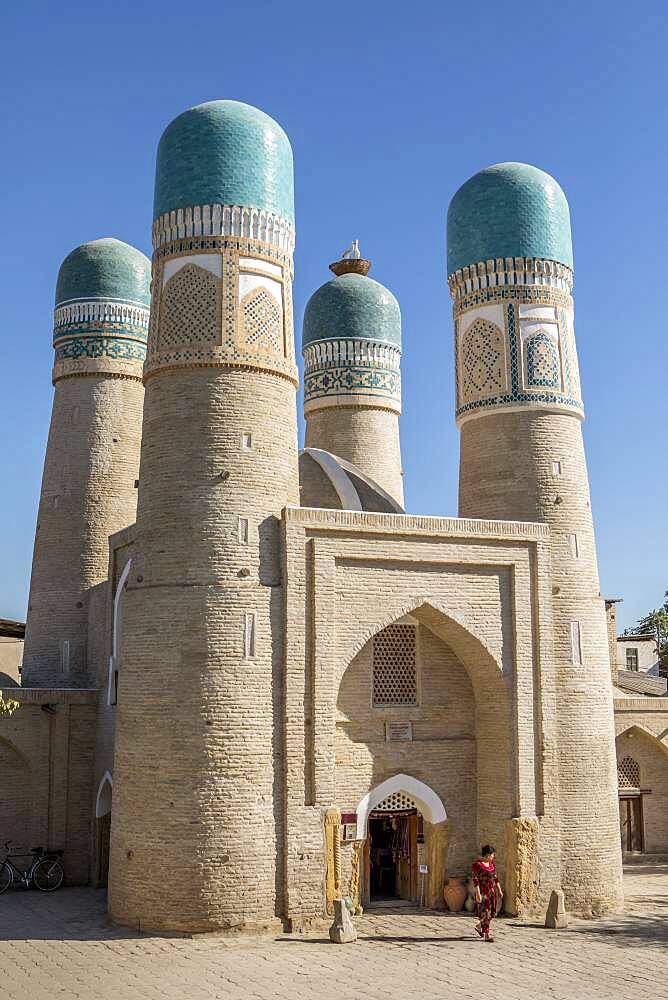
[[352, 306], [509, 210], [105, 269], [226, 153]]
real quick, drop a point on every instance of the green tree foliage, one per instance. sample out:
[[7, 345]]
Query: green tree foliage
[[656, 622], [7, 707]]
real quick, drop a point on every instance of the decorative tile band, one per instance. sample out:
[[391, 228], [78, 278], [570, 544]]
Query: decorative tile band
[[224, 220], [515, 351], [510, 271], [352, 381], [98, 347], [221, 301], [100, 336], [119, 311], [366, 372], [525, 294], [324, 353]]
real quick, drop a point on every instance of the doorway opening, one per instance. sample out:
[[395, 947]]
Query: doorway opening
[[103, 830], [392, 848], [631, 824]]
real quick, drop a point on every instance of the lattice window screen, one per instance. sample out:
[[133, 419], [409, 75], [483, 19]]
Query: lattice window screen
[[628, 773], [394, 666], [396, 802]]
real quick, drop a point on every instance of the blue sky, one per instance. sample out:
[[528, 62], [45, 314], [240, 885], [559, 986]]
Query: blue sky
[[389, 107]]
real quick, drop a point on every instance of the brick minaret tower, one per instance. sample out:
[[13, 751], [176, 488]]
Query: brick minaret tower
[[352, 380], [197, 838], [520, 414], [92, 455]]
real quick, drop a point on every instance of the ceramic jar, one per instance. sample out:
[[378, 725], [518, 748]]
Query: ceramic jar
[[454, 892]]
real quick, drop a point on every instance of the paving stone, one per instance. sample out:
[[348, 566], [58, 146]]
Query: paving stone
[[64, 948]]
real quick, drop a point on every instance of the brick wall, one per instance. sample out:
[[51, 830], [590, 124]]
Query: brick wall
[[88, 492], [365, 436]]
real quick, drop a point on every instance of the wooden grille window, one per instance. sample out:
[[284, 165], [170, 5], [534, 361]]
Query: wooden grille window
[[394, 666], [628, 773], [395, 802]]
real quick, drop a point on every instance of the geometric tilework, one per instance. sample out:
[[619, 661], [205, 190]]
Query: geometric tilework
[[542, 362], [189, 307], [91, 332], [482, 362], [545, 371], [100, 347], [337, 381], [354, 368], [230, 347], [262, 320]]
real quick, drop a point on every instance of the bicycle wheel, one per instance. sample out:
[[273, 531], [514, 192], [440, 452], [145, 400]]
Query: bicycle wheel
[[6, 877], [48, 874]]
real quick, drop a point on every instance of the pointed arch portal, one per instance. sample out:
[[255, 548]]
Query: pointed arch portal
[[425, 798]]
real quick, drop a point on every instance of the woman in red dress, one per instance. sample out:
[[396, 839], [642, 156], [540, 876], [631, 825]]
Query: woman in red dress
[[487, 891]]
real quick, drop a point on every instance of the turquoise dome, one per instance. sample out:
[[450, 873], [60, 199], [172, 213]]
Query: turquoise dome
[[105, 269], [352, 306], [227, 153], [509, 210]]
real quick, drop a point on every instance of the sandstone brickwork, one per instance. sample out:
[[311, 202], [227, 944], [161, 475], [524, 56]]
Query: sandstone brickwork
[[47, 774], [367, 437], [88, 492], [508, 470], [234, 657]]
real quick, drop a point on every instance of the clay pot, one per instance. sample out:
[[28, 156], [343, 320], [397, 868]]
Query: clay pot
[[454, 892]]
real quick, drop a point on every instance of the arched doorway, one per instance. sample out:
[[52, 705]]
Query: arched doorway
[[642, 779], [396, 819], [103, 829]]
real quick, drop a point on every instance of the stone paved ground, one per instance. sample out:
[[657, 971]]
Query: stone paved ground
[[60, 947]]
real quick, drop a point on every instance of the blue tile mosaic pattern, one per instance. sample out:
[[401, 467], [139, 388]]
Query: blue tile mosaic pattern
[[341, 381], [542, 362], [101, 347], [508, 210], [516, 395], [352, 306], [105, 269], [228, 153]]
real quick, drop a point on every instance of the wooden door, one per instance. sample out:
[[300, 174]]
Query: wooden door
[[631, 824], [407, 883], [103, 836]]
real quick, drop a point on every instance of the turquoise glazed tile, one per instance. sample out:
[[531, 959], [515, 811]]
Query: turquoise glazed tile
[[227, 153], [352, 306], [105, 269], [508, 210]]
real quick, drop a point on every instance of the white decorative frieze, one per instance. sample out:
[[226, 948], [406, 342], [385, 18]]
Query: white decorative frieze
[[99, 311], [224, 220], [334, 353], [510, 271]]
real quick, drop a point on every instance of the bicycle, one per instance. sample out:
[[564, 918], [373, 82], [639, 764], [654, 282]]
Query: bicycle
[[45, 872]]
